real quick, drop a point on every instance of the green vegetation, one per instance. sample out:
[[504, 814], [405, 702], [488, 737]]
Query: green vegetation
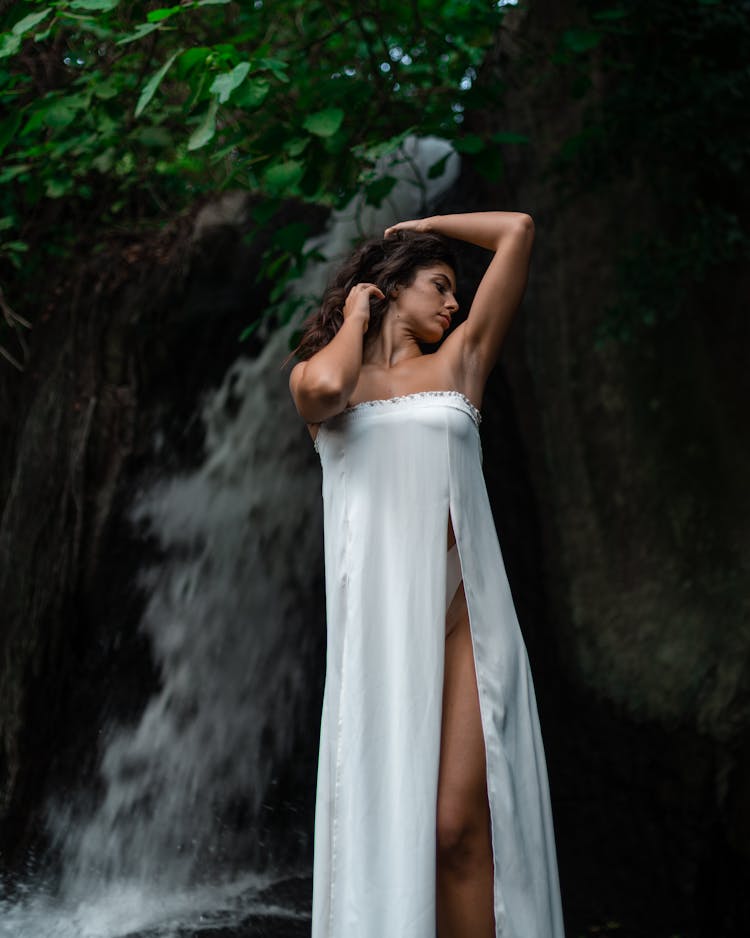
[[125, 111], [118, 114]]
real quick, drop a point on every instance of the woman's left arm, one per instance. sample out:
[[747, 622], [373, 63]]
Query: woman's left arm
[[510, 235]]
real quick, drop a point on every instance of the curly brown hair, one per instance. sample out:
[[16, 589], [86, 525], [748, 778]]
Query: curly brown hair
[[386, 262]]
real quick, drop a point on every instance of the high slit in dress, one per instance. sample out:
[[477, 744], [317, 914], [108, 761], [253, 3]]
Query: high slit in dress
[[395, 472], [452, 575]]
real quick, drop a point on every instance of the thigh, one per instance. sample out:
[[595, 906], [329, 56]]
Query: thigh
[[462, 784]]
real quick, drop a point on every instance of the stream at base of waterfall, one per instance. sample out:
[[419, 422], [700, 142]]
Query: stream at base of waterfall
[[252, 907]]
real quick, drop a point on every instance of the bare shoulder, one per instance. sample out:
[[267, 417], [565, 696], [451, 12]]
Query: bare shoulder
[[295, 376], [295, 379]]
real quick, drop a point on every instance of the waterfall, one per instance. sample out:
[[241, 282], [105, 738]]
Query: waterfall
[[228, 619]]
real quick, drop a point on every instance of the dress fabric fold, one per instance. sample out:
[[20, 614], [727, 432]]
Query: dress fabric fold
[[394, 471]]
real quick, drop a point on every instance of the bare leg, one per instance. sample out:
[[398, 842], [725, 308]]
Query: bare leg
[[464, 868]]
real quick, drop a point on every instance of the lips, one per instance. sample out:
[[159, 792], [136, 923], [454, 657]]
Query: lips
[[446, 318]]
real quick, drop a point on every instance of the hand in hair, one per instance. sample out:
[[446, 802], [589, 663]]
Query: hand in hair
[[415, 224], [357, 302]]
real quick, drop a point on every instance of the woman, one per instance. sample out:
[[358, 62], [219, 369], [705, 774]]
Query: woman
[[432, 809]]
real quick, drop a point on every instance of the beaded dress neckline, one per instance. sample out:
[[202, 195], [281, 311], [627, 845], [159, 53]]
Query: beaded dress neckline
[[364, 407], [415, 395]]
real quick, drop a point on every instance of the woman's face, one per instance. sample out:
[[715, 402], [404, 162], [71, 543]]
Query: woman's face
[[427, 305]]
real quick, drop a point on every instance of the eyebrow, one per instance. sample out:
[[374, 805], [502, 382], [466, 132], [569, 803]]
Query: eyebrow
[[447, 279]]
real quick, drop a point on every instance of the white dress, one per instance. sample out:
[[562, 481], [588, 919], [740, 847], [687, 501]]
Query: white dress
[[393, 470]]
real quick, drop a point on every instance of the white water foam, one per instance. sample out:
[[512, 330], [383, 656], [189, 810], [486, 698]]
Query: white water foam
[[124, 909]]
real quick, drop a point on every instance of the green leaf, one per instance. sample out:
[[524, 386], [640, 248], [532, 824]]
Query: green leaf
[[30, 21], [57, 188], [107, 89], [263, 212], [125, 165], [388, 146], [9, 45], [104, 161], [10, 172], [277, 66], [438, 168], [471, 143], [292, 237], [155, 137], [34, 122], [324, 123], [60, 114], [296, 146], [252, 93], [580, 40], [224, 85], [272, 271], [149, 89], [156, 16], [8, 128], [102, 5], [193, 57], [143, 29], [206, 129], [249, 330], [105, 125], [294, 339], [379, 190], [283, 176]]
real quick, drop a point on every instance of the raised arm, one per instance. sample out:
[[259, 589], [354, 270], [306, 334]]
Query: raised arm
[[510, 235], [322, 385]]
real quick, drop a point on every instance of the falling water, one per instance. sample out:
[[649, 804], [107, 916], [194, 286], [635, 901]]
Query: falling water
[[173, 842]]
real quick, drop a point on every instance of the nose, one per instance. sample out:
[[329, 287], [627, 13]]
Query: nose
[[451, 303]]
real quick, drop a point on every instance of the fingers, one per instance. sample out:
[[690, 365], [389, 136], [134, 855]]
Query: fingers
[[369, 288], [415, 224], [399, 226], [357, 301]]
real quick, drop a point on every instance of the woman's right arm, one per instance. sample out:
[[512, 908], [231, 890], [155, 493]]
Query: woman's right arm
[[322, 385]]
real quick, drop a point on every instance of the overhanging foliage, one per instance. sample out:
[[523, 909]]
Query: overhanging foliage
[[129, 110], [118, 112], [291, 98]]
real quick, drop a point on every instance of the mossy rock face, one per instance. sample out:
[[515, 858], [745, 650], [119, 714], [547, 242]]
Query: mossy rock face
[[638, 455], [652, 522]]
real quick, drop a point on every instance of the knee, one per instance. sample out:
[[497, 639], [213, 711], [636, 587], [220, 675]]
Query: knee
[[463, 838]]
